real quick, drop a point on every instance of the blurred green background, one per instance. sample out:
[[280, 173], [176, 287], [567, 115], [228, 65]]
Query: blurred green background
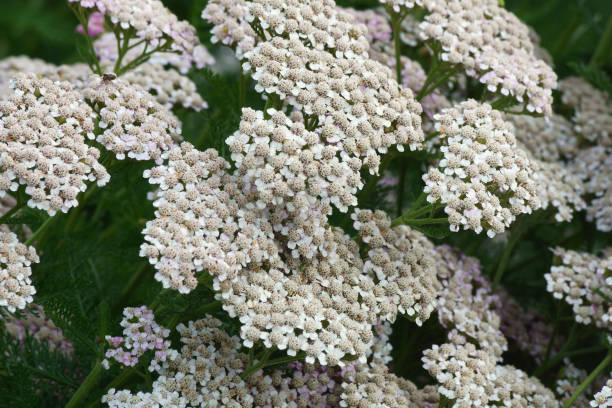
[[570, 29]]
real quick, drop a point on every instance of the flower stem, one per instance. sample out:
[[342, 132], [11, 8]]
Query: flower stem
[[10, 212], [84, 390], [516, 232], [40, 230], [260, 364], [604, 363]]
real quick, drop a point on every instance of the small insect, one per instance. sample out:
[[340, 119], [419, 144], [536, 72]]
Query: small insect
[[108, 77]]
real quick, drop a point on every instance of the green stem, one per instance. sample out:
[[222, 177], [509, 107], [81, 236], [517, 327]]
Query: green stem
[[516, 231], [396, 25], [10, 212], [127, 291], [604, 44], [84, 20], [117, 381], [603, 295], [427, 221], [559, 356], [604, 363], [84, 390], [40, 229], [260, 364]]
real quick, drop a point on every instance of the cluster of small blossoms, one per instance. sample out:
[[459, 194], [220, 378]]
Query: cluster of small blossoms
[[16, 288], [33, 323], [464, 373], [548, 140], [230, 25], [189, 201], [492, 45], [592, 110], [154, 25], [140, 334], [466, 302], [603, 398], [569, 379], [43, 125], [470, 377], [355, 101], [558, 187], [11, 66], [133, 123], [577, 279], [169, 88], [401, 260], [291, 169], [525, 328], [484, 179], [594, 166]]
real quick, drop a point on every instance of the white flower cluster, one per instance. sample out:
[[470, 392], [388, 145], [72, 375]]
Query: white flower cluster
[[35, 324], [594, 166], [42, 144], [592, 110], [514, 388], [292, 169], [190, 201], [560, 188], [154, 24], [466, 302], [230, 25], [167, 86], [133, 123], [603, 398], [16, 288], [465, 373], [569, 379], [140, 334], [401, 260], [578, 279], [484, 179], [492, 45]]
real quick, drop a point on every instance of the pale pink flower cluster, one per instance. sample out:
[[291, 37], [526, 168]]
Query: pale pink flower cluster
[[140, 334], [16, 288]]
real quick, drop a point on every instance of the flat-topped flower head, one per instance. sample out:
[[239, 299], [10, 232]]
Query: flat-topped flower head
[[492, 45], [593, 165], [356, 102], [154, 25], [603, 398], [16, 288], [168, 87], [43, 128], [402, 262], [514, 388], [230, 25], [592, 107], [576, 279], [483, 179], [132, 122]]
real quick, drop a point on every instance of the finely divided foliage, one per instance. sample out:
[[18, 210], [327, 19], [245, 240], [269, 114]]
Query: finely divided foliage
[[288, 278]]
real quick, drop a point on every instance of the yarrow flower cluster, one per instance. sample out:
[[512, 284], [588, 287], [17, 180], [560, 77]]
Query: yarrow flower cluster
[[466, 301], [401, 260], [140, 334], [603, 398], [35, 324], [230, 25], [133, 123], [43, 126], [584, 281], [16, 288], [492, 45], [154, 24], [483, 179]]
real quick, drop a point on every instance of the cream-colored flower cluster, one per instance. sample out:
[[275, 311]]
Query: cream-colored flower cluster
[[154, 25], [594, 166], [230, 25], [167, 86], [492, 45], [43, 126], [577, 279], [132, 122], [401, 260], [356, 102], [466, 303], [292, 169], [569, 379], [592, 110], [483, 179], [16, 288]]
